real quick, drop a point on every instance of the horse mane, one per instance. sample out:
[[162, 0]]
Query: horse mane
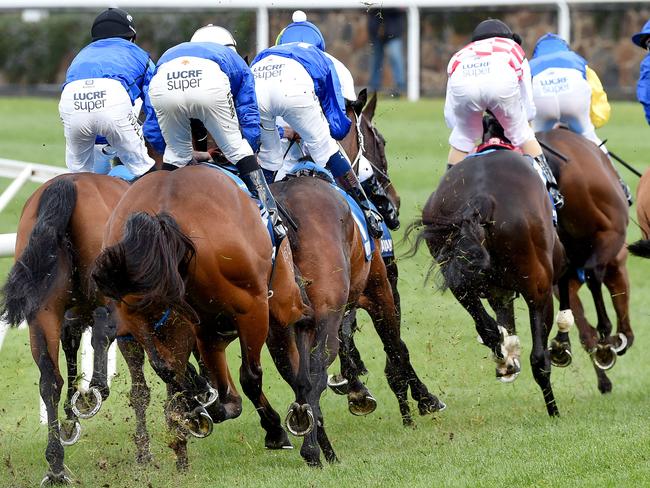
[[151, 261], [35, 271]]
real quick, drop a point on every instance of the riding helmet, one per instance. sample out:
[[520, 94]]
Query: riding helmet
[[641, 38], [216, 34], [113, 22], [494, 28], [301, 31]]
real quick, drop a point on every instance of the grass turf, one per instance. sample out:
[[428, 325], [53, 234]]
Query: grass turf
[[491, 434]]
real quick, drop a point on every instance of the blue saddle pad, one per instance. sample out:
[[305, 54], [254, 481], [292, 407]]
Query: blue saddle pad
[[311, 168]]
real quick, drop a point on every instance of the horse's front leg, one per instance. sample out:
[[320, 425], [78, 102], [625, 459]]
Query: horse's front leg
[[139, 396], [104, 329], [603, 354], [560, 348]]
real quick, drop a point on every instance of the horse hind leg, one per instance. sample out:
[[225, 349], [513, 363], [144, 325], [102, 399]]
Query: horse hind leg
[[603, 355], [70, 429], [104, 329], [541, 322], [139, 397], [617, 282], [44, 333], [560, 348]]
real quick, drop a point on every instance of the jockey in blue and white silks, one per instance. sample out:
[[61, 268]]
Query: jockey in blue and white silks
[[298, 81], [102, 85], [205, 79], [642, 39]]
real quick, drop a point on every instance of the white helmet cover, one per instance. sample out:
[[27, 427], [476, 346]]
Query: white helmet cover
[[216, 34], [345, 77]]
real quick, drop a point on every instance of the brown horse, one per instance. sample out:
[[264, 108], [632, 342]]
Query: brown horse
[[331, 294], [185, 271], [641, 247], [59, 235], [592, 227], [489, 227], [360, 400]]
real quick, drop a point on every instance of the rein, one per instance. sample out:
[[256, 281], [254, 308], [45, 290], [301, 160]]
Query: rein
[[362, 150]]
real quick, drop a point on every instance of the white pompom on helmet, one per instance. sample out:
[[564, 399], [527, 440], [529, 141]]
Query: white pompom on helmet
[[216, 34]]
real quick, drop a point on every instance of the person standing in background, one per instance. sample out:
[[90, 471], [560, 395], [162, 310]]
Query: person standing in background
[[385, 31]]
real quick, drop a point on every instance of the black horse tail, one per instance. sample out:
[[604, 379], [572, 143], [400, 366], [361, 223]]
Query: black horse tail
[[151, 260], [640, 248], [33, 274], [457, 243]]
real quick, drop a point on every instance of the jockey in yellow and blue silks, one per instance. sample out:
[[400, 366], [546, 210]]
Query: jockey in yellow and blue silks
[[566, 90], [101, 86], [298, 81]]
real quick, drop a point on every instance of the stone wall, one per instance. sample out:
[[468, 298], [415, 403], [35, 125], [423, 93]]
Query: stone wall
[[31, 54]]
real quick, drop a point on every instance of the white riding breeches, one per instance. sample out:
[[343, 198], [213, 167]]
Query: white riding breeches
[[285, 89], [195, 88], [486, 86], [101, 106], [563, 95]]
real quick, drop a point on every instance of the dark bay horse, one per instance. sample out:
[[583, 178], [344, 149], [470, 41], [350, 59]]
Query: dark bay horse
[[198, 271], [592, 226], [59, 235], [328, 249], [489, 227]]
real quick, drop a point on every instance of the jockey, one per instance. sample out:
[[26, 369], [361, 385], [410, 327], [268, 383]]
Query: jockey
[[642, 39], [492, 73], [566, 90], [102, 84], [205, 79], [298, 81]]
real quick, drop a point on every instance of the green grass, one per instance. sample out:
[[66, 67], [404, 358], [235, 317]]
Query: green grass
[[490, 435]]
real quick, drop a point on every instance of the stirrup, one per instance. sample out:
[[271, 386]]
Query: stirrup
[[373, 221], [558, 198]]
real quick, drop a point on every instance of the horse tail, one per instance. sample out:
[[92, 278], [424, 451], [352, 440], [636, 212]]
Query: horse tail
[[151, 260], [33, 274], [640, 248], [457, 243]]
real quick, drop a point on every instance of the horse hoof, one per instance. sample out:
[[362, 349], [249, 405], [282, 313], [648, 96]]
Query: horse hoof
[[362, 405], [199, 423], [620, 349], [604, 357], [277, 442], [86, 405], [69, 432], [507, 378], [52, 479], [431, 404], [300, 419], [560, 353], [338, 384], [207, 398]]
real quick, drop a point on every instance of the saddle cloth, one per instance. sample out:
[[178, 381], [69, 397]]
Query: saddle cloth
[[309, 168]]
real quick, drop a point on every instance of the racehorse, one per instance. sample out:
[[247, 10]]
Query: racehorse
[[198, 271], [371, 145], [489, 227], [58, 237], [592, 227], [328, 249]]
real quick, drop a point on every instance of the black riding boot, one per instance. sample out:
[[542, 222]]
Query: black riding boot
[[256, 184], [551, 183], [350, 183], [379, 197]]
